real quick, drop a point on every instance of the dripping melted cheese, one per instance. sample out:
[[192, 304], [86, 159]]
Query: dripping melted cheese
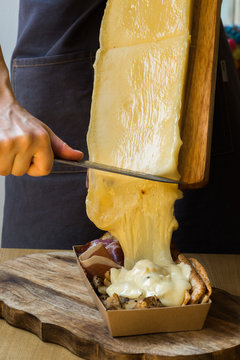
[[136, 106]]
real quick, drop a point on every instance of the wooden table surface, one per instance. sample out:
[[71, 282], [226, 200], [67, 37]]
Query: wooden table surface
[[224, 272]]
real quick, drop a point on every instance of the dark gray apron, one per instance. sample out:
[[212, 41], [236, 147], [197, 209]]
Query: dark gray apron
[[52, 78]]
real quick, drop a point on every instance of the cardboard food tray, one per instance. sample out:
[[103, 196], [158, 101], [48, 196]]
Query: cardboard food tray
[[147, 321]]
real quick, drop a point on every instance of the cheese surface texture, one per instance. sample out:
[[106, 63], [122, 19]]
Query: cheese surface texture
[[138, 93], [128, 23], [140, 71]]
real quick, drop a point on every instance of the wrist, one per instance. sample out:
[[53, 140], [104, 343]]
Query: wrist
[[6, 93]]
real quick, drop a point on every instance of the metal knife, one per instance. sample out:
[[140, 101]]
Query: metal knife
[[116, 170]]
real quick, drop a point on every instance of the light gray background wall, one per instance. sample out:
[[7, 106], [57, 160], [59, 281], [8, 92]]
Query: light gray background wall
[[231, 12], [8, 34]]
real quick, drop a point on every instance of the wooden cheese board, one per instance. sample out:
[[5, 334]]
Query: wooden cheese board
[[197, 116], [45, 294]]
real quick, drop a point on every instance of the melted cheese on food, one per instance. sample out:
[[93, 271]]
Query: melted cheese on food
[[148, 279], [136, 107]]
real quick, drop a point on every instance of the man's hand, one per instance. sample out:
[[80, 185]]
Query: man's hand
[[27, 146]]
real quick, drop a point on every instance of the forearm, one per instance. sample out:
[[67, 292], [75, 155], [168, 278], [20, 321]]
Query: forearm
[[6, 93]]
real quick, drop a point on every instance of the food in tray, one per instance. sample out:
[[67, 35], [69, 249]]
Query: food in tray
[[140, 73], [198, 292]]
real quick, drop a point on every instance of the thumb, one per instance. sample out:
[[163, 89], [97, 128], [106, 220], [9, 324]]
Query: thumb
[[62, 150]]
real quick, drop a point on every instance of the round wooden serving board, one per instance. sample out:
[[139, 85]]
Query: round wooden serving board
[[44, 293]]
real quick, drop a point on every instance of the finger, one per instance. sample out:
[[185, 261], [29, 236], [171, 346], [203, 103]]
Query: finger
[[42, 162], [21, 164], [7, 155], [62, 150], [6, 164]]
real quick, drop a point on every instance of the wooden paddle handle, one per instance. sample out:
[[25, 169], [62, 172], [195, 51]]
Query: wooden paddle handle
[[197, 118]]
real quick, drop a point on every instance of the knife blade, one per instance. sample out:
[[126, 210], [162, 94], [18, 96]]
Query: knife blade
[[103, 167]]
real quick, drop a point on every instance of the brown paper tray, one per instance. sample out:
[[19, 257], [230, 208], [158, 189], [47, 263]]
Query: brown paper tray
[[147, 321]]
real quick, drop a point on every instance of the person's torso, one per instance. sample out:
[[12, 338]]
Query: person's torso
[[53, 27]]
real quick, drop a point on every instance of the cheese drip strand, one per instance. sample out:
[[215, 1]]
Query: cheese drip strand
[[136, 106]]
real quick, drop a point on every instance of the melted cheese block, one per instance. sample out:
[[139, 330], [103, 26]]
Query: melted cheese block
[[136, 107]]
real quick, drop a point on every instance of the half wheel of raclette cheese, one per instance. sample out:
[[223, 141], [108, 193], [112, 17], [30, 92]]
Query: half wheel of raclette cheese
[[140, 72]]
